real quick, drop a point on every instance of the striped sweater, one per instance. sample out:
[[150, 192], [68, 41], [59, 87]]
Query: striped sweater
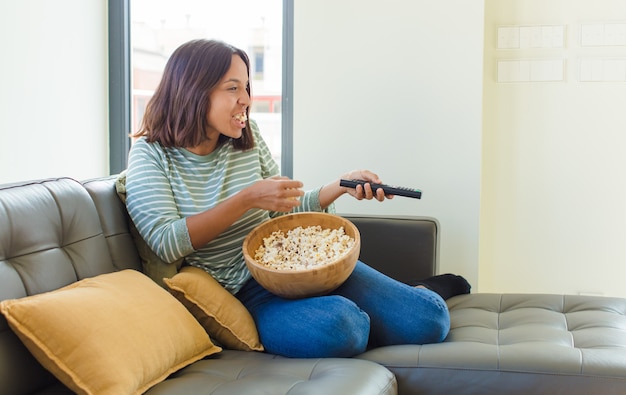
[[166, 185]]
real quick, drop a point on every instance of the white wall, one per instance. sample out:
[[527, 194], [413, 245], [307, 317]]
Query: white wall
[[54, 89], [395, 87], [553, 213]]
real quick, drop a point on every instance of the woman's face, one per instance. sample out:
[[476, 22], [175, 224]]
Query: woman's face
[[229, 101]]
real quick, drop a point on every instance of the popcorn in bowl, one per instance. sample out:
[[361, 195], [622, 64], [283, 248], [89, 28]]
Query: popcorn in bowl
[[303, 247], [331, 245]]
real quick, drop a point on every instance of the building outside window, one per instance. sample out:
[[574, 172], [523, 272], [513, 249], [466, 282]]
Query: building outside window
[[158, 27]]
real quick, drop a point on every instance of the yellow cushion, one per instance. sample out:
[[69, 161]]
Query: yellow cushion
[[221, 314], [117, 333]]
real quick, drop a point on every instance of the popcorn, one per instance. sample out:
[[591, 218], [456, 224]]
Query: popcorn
[[303, 248], [241, 117]]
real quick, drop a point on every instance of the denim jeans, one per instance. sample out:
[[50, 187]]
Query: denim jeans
[[368, 310]]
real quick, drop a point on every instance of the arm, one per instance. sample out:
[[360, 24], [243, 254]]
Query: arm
[[151, 204], [194, 217], [273, 194]]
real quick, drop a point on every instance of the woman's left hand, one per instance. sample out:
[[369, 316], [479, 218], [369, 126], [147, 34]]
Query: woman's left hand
[[366, 192]]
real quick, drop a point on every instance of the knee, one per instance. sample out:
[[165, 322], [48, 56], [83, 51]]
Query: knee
[[324, 327], [436, 322], [426, 321], [345, 328], [351, 336]]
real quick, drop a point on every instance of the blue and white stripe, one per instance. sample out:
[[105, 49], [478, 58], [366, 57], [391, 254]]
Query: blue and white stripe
[[166, 185]]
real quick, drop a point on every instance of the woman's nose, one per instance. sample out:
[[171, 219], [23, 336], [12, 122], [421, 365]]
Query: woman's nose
[[244, 99]]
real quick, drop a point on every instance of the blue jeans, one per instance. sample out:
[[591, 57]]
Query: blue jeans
[[369, 309]]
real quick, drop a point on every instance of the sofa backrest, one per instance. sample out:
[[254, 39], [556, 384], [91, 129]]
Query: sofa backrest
[[115, 220], [403, 247], [51, 235]]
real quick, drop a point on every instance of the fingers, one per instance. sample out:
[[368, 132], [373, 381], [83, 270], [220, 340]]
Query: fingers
[[369, 176], [286, 207], [286, 182], [363, 175], [366, 192], [288, 194], [291, 189]]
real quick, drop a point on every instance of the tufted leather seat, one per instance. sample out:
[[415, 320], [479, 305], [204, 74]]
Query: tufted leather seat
[[240, 372], [519, 344]]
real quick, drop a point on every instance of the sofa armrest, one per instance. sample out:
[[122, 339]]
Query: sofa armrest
[[404, 248]]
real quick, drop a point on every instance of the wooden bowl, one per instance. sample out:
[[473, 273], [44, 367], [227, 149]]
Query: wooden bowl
[[318, 280]]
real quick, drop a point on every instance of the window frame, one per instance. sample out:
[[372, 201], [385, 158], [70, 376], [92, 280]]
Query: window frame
[[120, 86]]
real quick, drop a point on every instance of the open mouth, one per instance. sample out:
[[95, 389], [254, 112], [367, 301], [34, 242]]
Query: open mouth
[[241, 117]]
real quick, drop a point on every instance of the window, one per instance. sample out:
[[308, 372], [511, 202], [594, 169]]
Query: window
[[143, 34], [257, 58]]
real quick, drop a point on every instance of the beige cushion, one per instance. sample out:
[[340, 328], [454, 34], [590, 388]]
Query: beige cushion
[[117, 333], [221, 314]]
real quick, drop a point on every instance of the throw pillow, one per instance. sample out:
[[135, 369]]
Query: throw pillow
[[221, 314], [117, 333]]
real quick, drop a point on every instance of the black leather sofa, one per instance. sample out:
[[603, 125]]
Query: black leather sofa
[[56, 232]]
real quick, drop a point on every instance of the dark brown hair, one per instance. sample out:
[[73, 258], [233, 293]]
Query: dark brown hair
[[176, 115]]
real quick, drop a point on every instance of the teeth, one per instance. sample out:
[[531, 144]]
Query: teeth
[[241, 117]]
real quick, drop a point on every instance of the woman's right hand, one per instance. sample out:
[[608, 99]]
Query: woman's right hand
[[276, 194]]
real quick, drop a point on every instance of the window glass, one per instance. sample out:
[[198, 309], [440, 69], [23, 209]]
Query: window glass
[[158, 27]]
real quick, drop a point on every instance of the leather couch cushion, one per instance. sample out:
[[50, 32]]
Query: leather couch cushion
[[221, 314], [115, 221], [116, 333], [518, 344], [239, 372]]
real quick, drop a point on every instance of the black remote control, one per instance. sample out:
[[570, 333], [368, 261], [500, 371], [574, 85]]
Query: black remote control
[[389, 190]]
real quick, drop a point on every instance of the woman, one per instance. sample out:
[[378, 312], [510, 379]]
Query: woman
[[200, 178]]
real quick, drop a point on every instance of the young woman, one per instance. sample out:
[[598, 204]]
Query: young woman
[[200, 178]]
